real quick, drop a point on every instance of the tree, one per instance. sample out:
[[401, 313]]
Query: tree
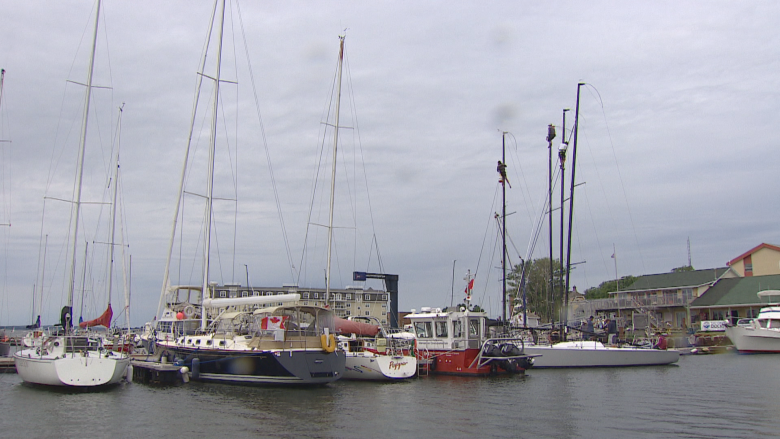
[[683, 268], [541, 298], [474, 308], [606, 287]]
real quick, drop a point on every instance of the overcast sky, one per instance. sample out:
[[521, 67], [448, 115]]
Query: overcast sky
[[675, 141]]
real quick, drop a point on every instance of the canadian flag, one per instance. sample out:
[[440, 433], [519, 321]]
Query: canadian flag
[[470, 286], [273, 322]]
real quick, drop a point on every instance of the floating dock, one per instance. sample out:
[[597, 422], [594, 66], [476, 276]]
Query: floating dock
[[7, 365], [153, 371]]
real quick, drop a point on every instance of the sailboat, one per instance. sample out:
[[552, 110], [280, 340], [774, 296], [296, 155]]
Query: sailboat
[[256, 339], [72, 359], [588, 353]]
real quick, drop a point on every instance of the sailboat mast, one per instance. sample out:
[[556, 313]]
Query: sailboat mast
[[182, 178], [333, 169], [210, 180], [113, 216], [503, 230], [571, 200], [80, 171]]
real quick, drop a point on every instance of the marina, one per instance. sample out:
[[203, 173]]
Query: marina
[[707, 396], [262, 296]]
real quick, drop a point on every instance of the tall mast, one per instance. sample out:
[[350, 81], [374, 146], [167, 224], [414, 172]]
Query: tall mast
[[562, 161], [571, 199], [80, 170], [183, 176], [210, 180], [333, 169], [503, 228], [113, 216]]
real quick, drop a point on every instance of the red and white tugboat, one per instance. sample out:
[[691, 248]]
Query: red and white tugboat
[[457, 343]]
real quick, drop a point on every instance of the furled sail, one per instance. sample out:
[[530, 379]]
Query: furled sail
[[103, 320]]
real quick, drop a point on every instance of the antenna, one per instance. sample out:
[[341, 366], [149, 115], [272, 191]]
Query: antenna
[[689, 252]]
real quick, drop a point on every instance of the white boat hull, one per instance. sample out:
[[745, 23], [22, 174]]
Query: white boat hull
[[72, 369], [758, 340], [374, 367], [595, 354]]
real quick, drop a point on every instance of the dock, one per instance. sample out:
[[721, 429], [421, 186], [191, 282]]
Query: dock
[[7, 365], [153, 371]]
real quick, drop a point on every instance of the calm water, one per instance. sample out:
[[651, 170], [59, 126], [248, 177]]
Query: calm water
[[714, 396]]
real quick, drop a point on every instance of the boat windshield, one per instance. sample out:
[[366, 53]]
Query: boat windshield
[[441, 329], [457, 329], [474, 328], [423, 329], [294, 321]]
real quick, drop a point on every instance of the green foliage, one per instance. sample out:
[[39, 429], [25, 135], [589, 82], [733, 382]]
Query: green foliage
[[683, 268], [474, 308], [610, 286], [540, 297]]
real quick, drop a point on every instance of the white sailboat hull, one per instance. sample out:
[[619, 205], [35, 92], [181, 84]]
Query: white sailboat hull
[[374, 367], [595, 354], [72, 369], [754, 339]]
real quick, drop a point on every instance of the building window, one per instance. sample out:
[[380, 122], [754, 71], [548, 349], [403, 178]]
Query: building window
[[337, 296], [384, 297], [222, 293], [368, 313], [244, 293], [305, 295], [347, 296], [347, 312]]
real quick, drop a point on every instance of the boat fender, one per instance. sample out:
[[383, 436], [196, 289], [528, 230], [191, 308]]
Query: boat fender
[[432, 364], [195, 368], [328, 342]]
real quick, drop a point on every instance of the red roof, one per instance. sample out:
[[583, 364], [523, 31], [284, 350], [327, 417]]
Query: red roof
[[753, 250]]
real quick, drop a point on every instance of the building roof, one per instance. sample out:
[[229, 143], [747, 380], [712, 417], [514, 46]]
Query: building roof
[[680, 279], [737, 291], [753, 250]]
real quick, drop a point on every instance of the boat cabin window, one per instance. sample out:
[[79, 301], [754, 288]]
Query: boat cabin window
[[457, 330], [762, 322], [774, 323], [441, 329], [423, 329], [474, 328]]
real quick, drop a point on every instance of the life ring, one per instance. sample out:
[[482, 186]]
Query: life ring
[[328, 342], [189, 311]]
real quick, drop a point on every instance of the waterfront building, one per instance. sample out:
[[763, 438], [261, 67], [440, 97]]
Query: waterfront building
[[351, 301], [732, 299], [682, 299], [761, 260]]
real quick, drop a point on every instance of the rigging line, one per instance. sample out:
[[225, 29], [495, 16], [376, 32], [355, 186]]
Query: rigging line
[[524, 189], [493, 253], [234, 173], [318, 162], [491, 216], [620, 176], [356, 132]]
